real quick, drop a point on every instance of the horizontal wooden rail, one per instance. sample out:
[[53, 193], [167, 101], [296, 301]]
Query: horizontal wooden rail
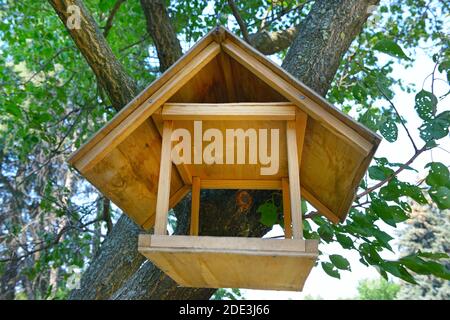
[[241, 184], [229, 111]]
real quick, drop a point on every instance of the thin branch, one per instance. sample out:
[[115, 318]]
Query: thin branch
[[45, 65], [389, 178], [54, 242], [111, 16], [399, 117], [239, 20]]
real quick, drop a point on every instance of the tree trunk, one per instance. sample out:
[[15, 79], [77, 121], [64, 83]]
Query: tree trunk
[[114, 272], [323, 39], [160, 28]]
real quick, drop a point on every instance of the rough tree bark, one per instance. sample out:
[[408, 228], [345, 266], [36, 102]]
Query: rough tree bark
[[110, 73], [161, 29], [323, 38], [112, 274]]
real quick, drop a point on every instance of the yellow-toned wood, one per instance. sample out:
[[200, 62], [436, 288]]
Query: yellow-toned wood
[[216, 262], [311, 107], [319, 205], [286, 209], [142, 97], [218, 243], [229, 111], [245, 171], [301, 119], [162, 202], [146, 109], [226, 70], [308, 92], [294, 180], [241, 184], [331, 166], [195, 206]]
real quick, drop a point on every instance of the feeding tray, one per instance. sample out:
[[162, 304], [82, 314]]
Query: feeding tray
[[227, 262], [223, 84]]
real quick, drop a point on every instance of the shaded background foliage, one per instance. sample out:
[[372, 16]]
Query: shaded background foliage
[[52, 222]]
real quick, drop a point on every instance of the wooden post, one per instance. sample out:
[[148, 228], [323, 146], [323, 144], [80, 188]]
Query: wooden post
[[162, 200], [286, 209], [294, 179], [195, 206]]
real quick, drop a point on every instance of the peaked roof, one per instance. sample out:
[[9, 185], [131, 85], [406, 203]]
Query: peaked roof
[[122, 159]]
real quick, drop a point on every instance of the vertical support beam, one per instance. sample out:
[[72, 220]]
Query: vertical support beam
[[301, 119], [165, 170], [294, 179], [195, 206], [286, 208]]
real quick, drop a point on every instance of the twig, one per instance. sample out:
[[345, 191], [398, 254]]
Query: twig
[[400, 169], [111, 16], [54, 242], [399, 117], [45, 65], [239, 20]]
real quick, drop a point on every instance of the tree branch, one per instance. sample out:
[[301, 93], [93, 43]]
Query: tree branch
[[163, 34], [400, 169], [111, 75], [270, 42], [111, 16], [240, 21]]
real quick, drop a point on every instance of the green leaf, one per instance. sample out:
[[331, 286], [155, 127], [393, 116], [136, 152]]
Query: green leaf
[[379, 173], [14, 110], [438, 175], [268, 212], [326, 233], [345, 241], [340, 262], [426, 103], [433, 255], [391, 48], [304, 206], [383, 211], [396, 269], [382, 237], [441, 196], [359, 92], [330, 270], [389, 130]]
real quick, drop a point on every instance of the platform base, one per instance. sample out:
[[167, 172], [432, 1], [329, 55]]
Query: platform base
[[227, 262]]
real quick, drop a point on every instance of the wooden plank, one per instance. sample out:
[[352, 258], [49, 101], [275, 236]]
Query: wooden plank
[[301, 119], [294, 180], [145, 110], [222, 243], [241, 184], [142, 97], [300, 86], [224, 62], [224, 261], [174, 199], [286, 209], [162, 201], [195, 206], [308, 105], [227, 111], [319, 206], [205, 269]]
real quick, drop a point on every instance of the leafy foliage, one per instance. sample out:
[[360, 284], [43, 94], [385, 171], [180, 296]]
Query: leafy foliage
[[379, 289], [53, 222]]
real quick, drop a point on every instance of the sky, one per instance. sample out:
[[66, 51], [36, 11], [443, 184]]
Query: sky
[[318, 282]]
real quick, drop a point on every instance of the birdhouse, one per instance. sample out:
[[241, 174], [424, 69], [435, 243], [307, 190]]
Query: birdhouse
[[226, 117]]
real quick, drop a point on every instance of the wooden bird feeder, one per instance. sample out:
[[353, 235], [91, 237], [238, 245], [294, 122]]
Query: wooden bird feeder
[[226, 84]]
